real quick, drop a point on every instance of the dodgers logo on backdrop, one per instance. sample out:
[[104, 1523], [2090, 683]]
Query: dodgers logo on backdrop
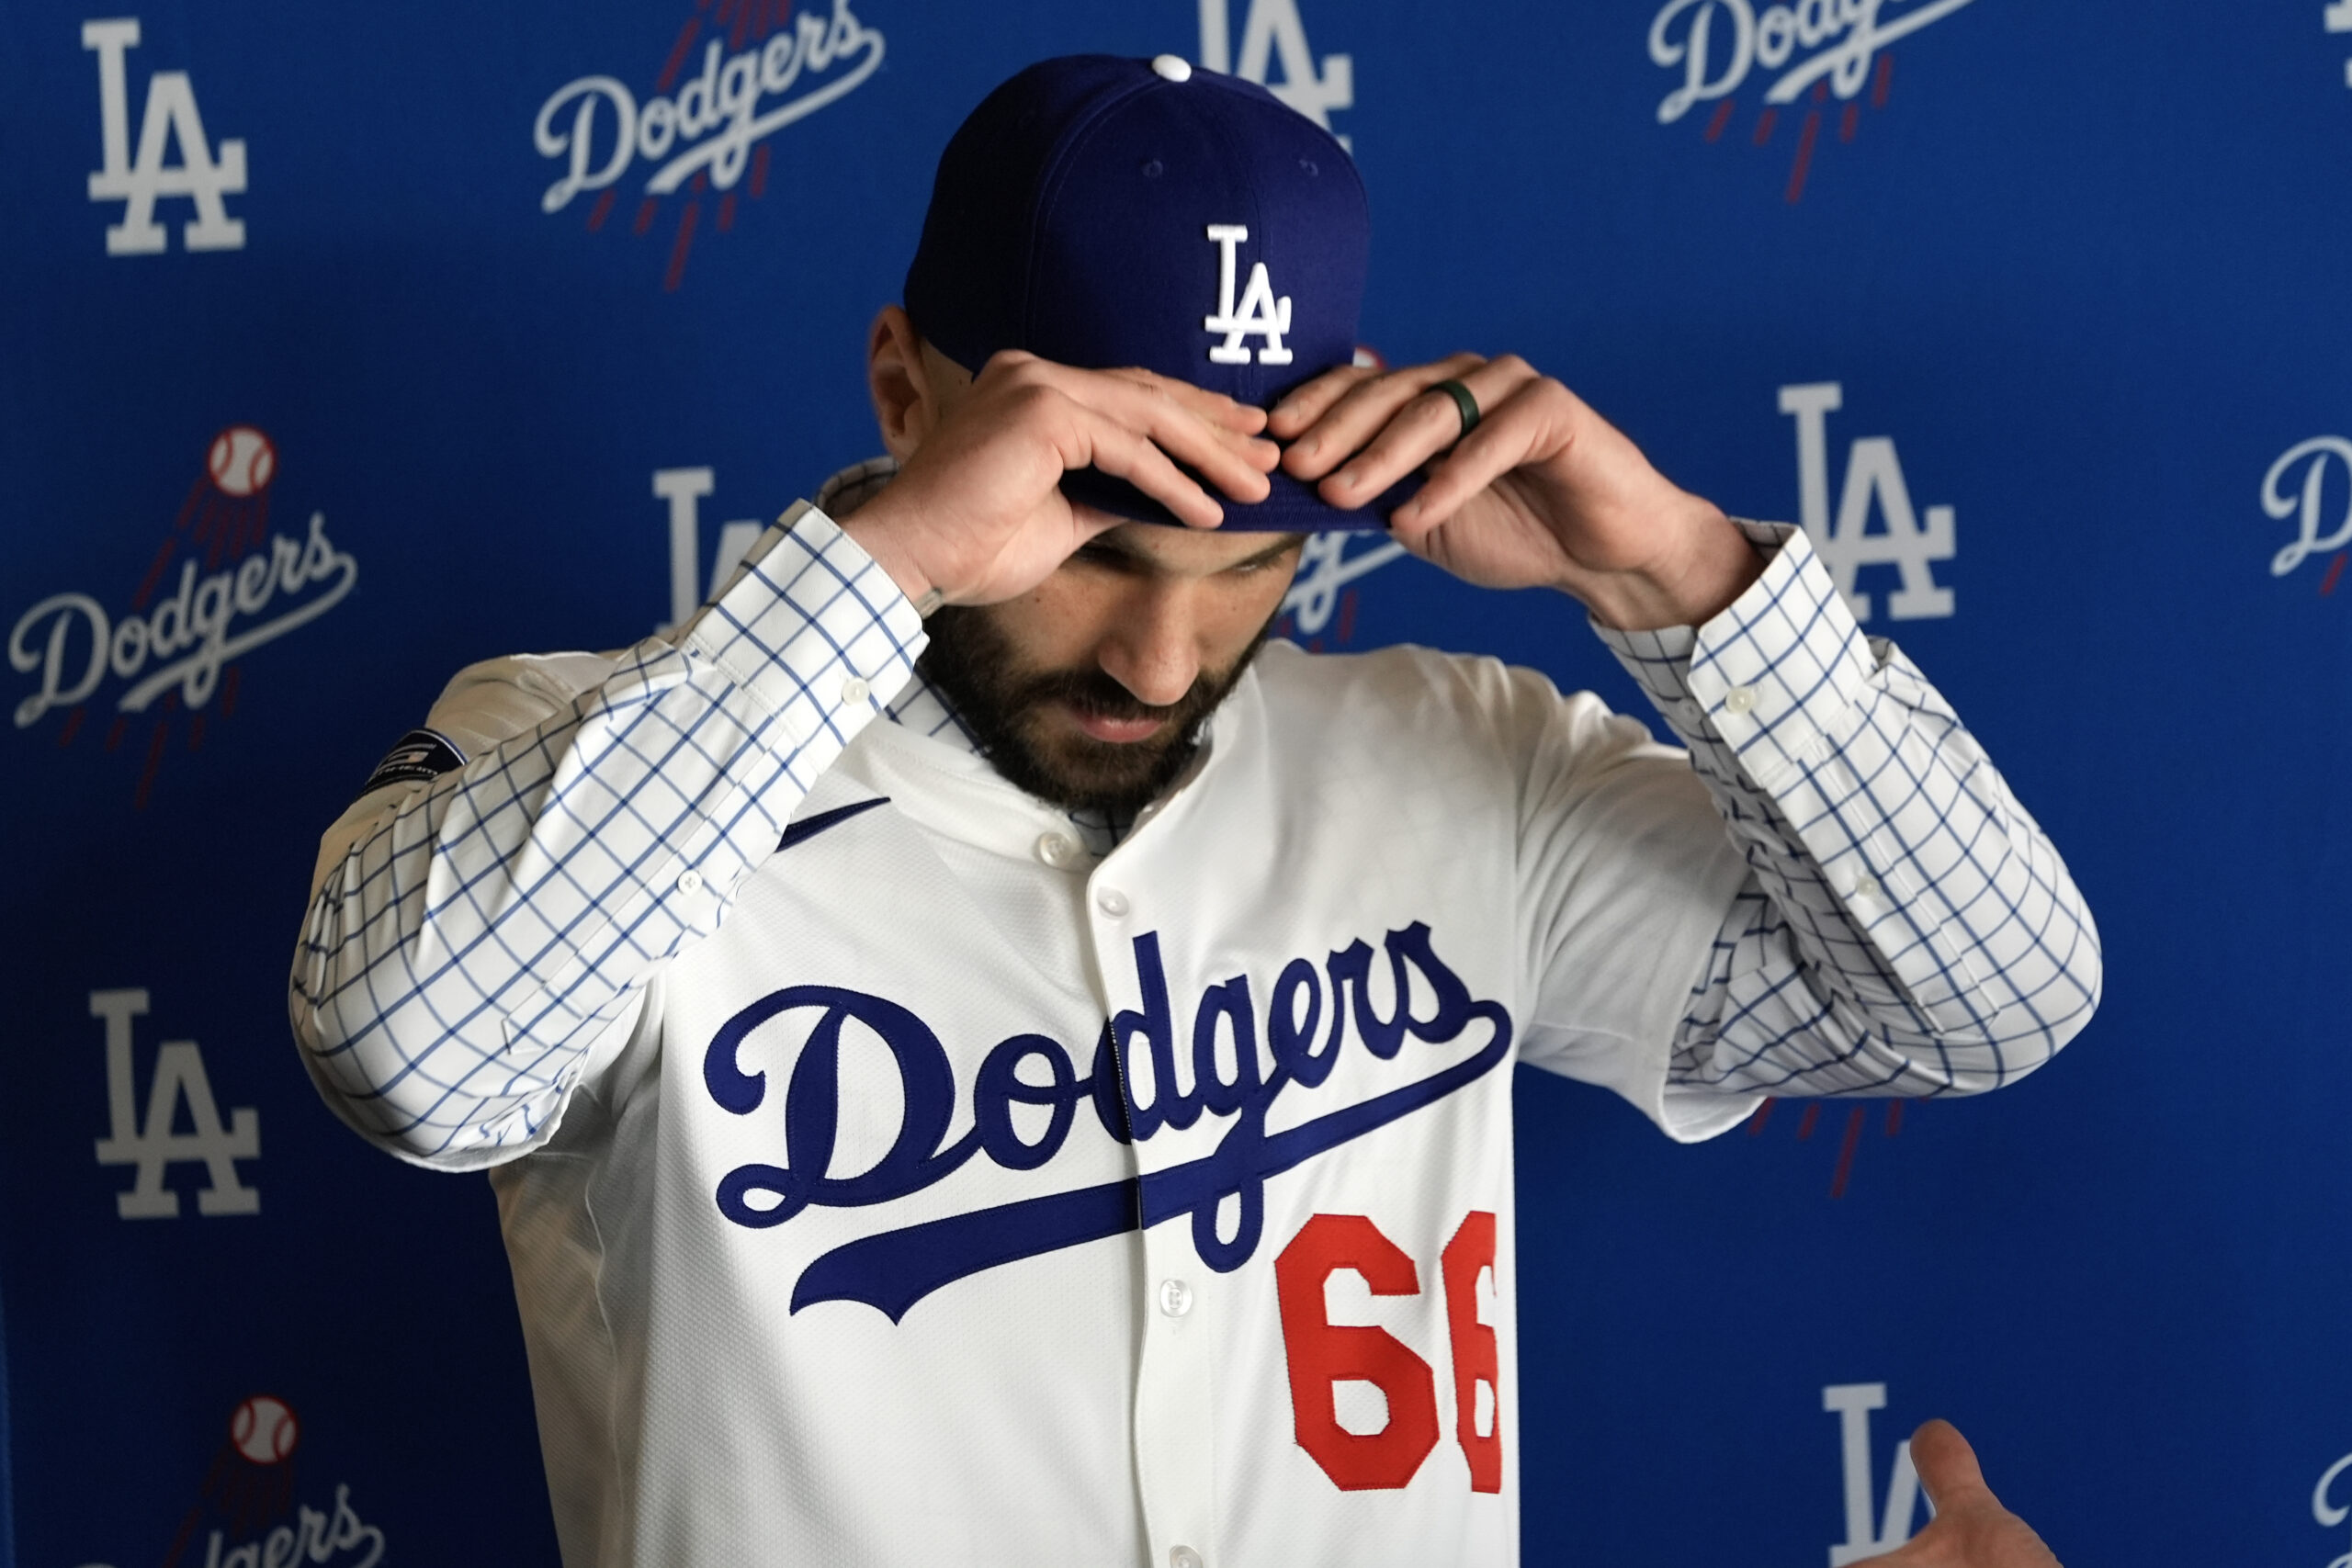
[[138, 182], [177, 1083], [1133, 1086], [248, 1513], [1849, 1142], [1273, 32], [1867, 1537], [2298, 486], [1874, 488], [2337, 18], [176, 646], [2330, 1513], [734, 76], [1328, 565], [1810, 48]]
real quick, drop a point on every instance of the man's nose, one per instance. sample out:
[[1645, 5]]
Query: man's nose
[[1153, 645]]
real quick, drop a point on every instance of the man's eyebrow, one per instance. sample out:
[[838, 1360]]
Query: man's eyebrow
[[1111, 543], [1275, 552]]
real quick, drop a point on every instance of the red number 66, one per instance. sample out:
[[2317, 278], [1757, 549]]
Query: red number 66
[[1322, 1353]]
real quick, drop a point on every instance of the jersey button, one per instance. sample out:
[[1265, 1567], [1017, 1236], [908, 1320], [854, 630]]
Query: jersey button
[[1056, 849], [1112, 902], [1175, 1297], [1184, 1557]]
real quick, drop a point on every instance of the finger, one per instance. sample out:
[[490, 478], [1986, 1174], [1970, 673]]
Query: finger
[[1183, 419], [1947, 1468], [1303, 405], [1365, 410], [1522, 427], [1241, 424], [1225, 458], [1428, 424], [1123, 453], [1228, 413]]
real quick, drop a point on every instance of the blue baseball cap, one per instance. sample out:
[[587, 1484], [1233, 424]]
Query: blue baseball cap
[[1104, 212]]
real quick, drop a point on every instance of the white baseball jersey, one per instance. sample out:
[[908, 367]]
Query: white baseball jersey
[[895, 1175]]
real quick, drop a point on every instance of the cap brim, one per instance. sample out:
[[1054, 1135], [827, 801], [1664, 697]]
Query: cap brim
[[1292, 508]]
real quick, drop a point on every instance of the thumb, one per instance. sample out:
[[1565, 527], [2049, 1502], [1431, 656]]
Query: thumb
[[1948, 1469]]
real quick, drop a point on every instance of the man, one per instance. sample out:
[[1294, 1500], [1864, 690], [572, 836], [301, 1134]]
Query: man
[[932, 1138]]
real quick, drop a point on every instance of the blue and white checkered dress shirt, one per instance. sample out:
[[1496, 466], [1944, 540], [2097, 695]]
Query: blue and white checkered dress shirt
[[476, 943]]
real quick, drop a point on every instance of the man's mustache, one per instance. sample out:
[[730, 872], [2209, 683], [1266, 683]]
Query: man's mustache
[[1095, 692]]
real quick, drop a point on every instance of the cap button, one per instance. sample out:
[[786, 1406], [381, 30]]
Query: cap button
[[1175, 67]]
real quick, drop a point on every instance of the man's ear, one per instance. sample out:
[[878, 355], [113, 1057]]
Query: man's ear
[[906, 405]]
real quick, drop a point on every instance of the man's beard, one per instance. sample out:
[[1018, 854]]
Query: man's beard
[[1006, 709]]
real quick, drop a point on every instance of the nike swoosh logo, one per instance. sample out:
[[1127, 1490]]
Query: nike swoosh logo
[[808, 828]]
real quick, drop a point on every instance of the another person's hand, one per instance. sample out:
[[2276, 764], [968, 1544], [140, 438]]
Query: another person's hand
[[976, 511], [1971, 1529], [1544, 493]]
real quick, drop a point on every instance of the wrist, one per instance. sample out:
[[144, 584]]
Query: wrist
[[1711, 564], [886, 545]]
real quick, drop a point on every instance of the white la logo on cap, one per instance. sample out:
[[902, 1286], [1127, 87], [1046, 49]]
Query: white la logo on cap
[[1260, 313]]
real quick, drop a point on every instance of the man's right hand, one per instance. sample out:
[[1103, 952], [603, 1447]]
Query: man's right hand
[[976, 511]]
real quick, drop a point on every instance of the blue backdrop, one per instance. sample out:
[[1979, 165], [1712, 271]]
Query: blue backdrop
[[342, 345]]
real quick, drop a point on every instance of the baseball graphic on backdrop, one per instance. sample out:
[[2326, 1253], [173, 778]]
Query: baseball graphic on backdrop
[[264, 1429], [242, 461]]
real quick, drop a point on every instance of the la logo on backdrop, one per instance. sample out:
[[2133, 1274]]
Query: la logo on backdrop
[[179, 1091], [1273, 33], [140, 181], [1868, 1533], [175, 644], [735, 74], [1809, 51], [1908, 538]]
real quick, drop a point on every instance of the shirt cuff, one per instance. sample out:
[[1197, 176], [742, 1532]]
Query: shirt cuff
[[810, 626], [1776, 678]]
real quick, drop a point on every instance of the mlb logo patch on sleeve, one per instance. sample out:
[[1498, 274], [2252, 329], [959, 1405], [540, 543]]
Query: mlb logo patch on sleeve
[[421, 756]]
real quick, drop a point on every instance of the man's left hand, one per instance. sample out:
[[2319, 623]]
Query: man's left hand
[[1544, 493]]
